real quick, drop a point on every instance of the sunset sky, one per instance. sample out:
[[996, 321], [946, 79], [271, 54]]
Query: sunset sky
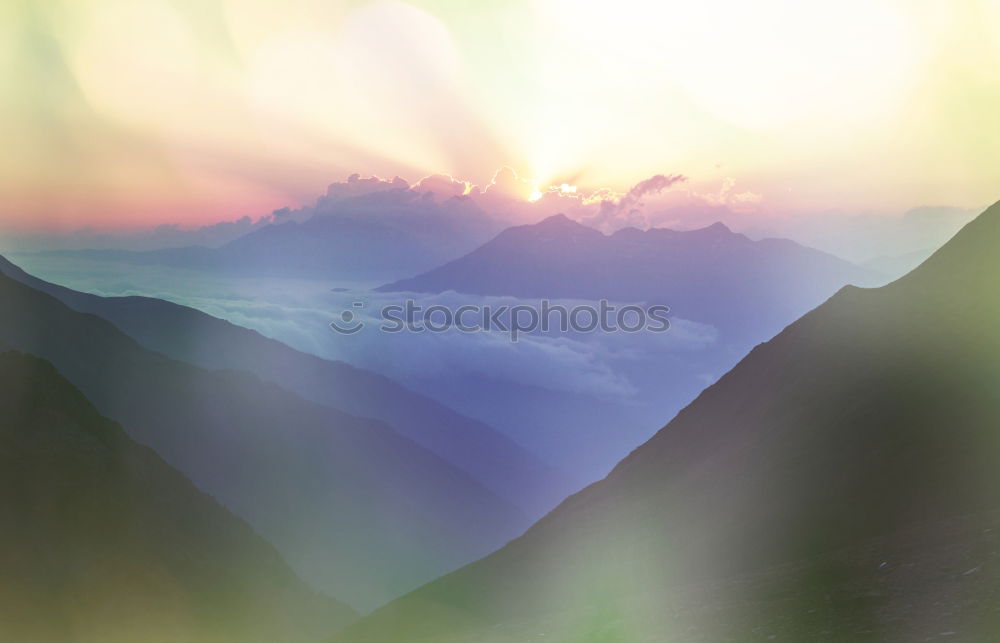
[[131, 113]]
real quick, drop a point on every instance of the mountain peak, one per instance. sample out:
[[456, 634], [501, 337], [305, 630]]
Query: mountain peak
[[556, 220], [555, 227], [717, 229], [629, 233]]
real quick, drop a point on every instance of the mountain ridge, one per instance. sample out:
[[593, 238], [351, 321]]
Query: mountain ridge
[[367, 238], [103, 541], [192, 336], [357, 510], [837, 483], [711, 275]]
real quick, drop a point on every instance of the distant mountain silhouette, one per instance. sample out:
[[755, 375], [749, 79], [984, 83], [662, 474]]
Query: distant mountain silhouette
[[102, 541], [195, 337], [839, 484], [711, 275], [369, 238], [357, 510], [894, 267]]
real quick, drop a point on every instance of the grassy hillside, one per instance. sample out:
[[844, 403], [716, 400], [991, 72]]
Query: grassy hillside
[[104, 542]]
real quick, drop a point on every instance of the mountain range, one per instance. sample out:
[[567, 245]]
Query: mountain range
[[838, 484], [191, 336], [367, 238], [357, 510], [738, 291], [712, 275], [103, 542]]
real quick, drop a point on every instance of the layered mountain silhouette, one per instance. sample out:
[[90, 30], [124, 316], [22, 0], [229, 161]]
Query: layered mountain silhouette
[[711, 275], [195, 337], [895, 266], [103, 542], [368, 238], [358, 510], [839, 484]]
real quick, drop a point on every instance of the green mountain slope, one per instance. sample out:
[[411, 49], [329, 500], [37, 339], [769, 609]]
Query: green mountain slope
[[102, 541], [192, 336], [357, 510], [839, 484]]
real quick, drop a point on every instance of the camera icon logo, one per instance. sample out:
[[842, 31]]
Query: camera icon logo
[[348, 324]]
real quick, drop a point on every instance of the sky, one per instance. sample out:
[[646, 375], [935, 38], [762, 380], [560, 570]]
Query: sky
[[126, 114]]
